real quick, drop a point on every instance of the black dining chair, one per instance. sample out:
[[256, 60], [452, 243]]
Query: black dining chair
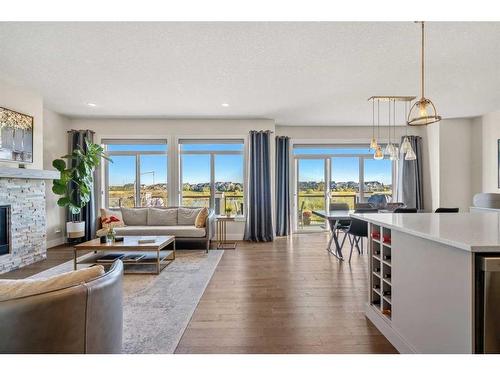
[[342, 225], [405, 210], [441, 210], [358, 230]]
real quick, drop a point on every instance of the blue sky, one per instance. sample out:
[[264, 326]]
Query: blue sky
[[346, 169], [195, 168]]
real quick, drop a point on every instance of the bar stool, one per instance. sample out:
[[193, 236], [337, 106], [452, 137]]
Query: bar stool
[[446, 210], [404, 210]]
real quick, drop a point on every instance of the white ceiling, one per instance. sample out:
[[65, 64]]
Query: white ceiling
[[296, 73]]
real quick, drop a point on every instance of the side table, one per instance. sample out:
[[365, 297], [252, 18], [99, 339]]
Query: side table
[[221, 224]]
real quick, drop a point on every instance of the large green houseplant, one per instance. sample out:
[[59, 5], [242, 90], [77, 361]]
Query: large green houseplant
[[76, 182]]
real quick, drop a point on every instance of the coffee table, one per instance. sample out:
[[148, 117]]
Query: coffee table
[[155, 252]]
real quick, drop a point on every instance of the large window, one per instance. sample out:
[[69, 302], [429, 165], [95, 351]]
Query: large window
[[352, 173], [137, 175], [212, 174]]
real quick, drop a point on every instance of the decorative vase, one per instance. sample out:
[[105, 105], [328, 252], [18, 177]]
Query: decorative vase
[[110, 236]]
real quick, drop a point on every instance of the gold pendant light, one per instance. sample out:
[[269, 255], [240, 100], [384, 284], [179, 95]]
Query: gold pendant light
[[423, 111]]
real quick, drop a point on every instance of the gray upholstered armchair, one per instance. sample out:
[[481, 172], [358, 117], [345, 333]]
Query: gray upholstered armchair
[[82, 318]]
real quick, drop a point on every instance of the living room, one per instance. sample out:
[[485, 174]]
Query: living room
[[249, 187]]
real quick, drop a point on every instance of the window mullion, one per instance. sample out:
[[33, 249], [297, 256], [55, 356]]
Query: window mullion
[[361, 179], [212, 180], [138, 180]]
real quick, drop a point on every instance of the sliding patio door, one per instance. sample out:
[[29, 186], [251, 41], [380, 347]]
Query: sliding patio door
[[312, 192]]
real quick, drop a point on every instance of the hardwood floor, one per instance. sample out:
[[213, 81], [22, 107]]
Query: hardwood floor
[[288, 296]]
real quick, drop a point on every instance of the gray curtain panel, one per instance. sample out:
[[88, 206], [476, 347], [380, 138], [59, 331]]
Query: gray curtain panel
[[412, 187], [259, 225], [76, 139], [282, 186]]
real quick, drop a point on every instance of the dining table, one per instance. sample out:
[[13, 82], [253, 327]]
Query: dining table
[[334, 218]]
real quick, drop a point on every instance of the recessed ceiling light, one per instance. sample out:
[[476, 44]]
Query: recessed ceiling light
[[92, 104], [225, 104]]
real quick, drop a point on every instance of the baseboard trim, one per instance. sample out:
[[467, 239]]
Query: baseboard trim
[[401, 345], [55, 242]]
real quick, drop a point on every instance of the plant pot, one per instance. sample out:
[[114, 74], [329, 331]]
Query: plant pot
[[75, 229]]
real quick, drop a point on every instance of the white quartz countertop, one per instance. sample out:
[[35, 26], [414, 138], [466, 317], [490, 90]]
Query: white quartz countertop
[[475, 232]]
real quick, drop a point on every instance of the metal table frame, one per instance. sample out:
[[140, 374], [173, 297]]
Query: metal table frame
[[334, 217]]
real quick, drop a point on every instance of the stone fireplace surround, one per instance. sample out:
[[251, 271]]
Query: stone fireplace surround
[[24, 191]]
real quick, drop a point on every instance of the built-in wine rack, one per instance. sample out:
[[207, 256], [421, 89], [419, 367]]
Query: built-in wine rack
[[380, 269]]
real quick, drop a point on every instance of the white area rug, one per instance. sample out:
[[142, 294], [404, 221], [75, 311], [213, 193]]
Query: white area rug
[[157, 308]]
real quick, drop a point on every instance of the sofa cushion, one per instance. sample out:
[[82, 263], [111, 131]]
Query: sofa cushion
[[162, 216], [201, 218], [10, 289], [149, 230], [135, 216], [187, 216]]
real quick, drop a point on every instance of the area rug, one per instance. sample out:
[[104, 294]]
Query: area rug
[[157, 308]]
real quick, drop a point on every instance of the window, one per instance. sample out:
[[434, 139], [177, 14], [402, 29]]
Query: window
[[353, 173], [137, 175], [212, 174]]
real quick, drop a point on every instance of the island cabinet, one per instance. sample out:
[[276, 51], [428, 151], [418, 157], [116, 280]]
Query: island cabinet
[[422, 279]]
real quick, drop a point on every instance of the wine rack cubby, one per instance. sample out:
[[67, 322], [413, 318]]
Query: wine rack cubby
[[380, 269]]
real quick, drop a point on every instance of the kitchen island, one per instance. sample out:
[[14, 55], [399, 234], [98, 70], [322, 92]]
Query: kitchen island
[[423, 274]]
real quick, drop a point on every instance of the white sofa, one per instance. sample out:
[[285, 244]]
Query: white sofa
[[167, 221]]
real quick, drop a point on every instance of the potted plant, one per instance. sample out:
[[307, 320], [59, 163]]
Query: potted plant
[[76, 182], [306, 217], [228, 211]]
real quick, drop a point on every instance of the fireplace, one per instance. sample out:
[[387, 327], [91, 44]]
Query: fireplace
[[4, 229]]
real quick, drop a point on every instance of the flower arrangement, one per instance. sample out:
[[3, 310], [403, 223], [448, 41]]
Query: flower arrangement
[[109, 221], [228, 211]]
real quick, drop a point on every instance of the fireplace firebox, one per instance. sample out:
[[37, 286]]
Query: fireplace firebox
[[4, 229]]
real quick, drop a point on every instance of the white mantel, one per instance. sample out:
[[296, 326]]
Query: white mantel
[[33, 174]]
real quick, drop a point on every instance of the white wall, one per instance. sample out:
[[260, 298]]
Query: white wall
[[30, 103], [430, 168], [55, 145], [455, 158], [490, 136], [172, 130]]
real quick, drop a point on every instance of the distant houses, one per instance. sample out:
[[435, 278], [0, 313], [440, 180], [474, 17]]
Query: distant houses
[[344, 186]]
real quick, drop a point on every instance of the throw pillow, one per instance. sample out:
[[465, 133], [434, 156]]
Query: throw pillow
[[162, 216], [201, 218], [187, 216], [105, 213], [10, 289]]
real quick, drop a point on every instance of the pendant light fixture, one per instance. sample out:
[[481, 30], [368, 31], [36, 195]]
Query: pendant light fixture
[[373, 143], [406, 145], [389, 149], [410, 155], [379, 155], [395, 149], [423, 111]]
